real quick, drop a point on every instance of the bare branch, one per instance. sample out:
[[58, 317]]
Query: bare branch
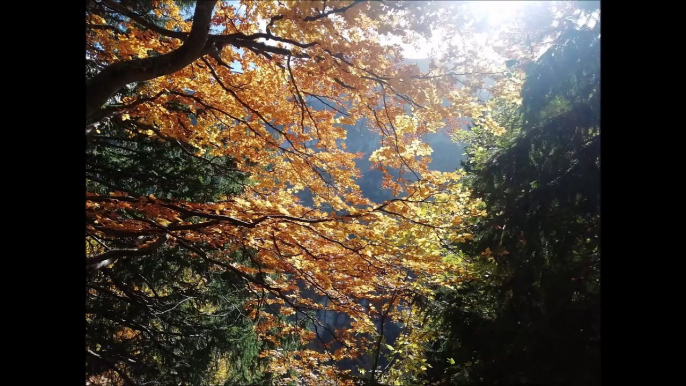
[[335, 10]]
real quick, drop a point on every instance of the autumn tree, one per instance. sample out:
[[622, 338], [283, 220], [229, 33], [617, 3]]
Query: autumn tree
[[532, 314], [228, 88]]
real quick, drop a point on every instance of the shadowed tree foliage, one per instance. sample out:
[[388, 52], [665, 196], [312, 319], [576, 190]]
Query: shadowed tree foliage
[[167, 317], [122, 158], [533, 316], [168, 320]]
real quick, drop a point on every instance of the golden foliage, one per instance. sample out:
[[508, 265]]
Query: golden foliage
[[250, 100]]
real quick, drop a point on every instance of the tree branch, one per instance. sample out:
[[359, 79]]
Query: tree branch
[[117, 75], [107, 258], [141, 20], [335, 10]]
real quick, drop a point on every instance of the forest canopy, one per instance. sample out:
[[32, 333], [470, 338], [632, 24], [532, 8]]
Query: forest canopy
[[224, 216]]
